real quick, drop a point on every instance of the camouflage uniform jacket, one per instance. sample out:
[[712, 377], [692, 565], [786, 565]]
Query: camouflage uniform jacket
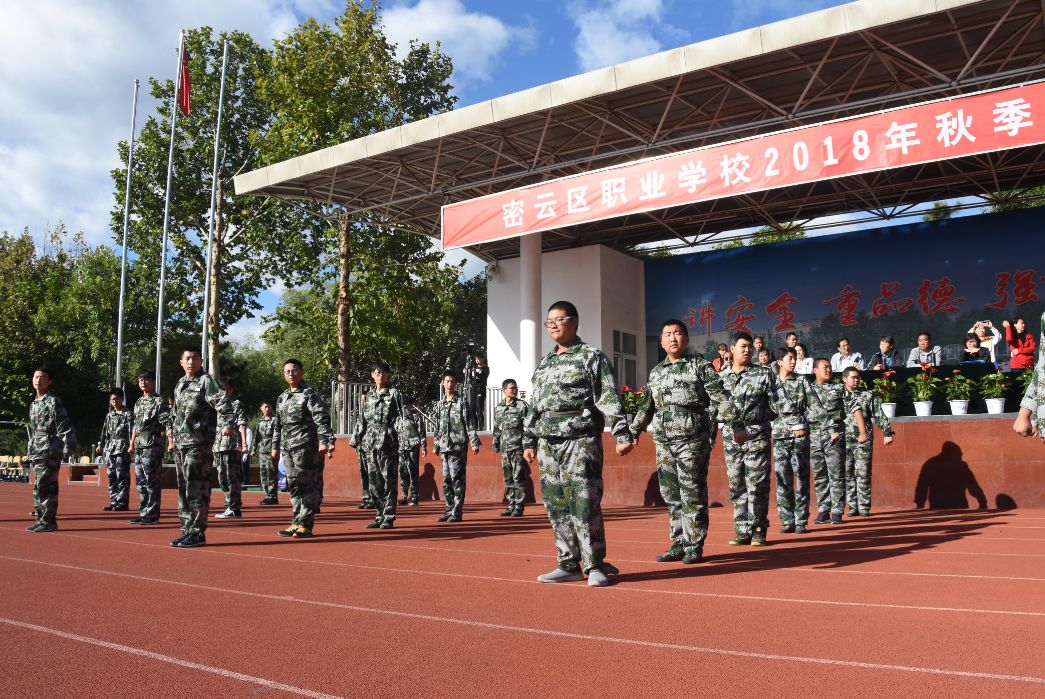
[[575, 395], [452, 430], [873, 414], [375, 428], [410, 436], [51, 432], [508, 422], [1034, 399], [826, 407], [197, 400], [263, 442], [797, 390], [151, 418], [116, 432], [757, 398], [230, 417], [684, 400], [301, 418]]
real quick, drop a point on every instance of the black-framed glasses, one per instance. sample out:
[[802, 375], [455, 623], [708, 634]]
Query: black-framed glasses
[[552, 322]]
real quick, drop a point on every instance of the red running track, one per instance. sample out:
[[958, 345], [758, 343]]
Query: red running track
[[904, 603]]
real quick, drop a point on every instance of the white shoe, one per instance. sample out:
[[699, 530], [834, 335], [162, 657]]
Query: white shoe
[[559, 575], [596, 578], [227, 514]]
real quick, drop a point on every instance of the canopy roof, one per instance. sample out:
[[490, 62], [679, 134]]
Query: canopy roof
[[852, 59]]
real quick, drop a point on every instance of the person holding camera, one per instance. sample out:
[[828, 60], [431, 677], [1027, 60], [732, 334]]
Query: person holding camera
[[475, 375], [989, 336]]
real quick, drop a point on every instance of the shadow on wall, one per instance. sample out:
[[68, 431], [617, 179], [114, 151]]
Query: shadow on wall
[[945, 479], [426, 487]]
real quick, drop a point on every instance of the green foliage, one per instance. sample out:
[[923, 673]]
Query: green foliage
[[941, 211], [1016, 199], [767, 235], [885, 387], [957, 386], [924, 385], [993, 385]]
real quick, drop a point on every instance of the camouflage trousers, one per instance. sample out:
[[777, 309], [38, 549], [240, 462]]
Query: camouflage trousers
[[513, 469], [383, 465], [455, 468], [230, 478], [45, 488], [303, 466], [682, 472], [364, 478], [118, 471], [147, 465], [828, 461], [571, 487], [269, 473], [791, 464], [858, 475], [194, 465], [409, 473], [747, 469]]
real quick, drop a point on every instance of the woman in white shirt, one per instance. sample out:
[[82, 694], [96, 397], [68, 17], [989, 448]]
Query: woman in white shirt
[[843, 358], [804, 364], [990, 337]]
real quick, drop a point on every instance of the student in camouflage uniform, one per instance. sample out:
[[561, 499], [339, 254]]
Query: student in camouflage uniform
[[574, 396], [859, 442], [825, 414], [263, 447], [375, 433], [115, 441], [151, 420], [197, 400], [302, 432], [411, 445], [51, 436], [685, 396], [451, 434], [756, 396], [232, 436], [1031, 418], [364, 470], [791, 447], [509, 417], [475, 375]]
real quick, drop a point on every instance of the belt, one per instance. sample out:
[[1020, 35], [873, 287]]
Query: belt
[[561, 413]]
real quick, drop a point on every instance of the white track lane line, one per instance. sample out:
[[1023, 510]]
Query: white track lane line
[[553, 633], [230, 674]]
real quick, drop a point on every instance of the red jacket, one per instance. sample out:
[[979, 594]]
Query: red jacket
[[1022, 349]]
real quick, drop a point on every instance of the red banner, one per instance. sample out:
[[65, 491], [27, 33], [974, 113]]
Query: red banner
[[944, 129]]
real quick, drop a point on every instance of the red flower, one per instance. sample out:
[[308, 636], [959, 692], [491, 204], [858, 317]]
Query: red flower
[[626, 389], [957, 371], [889, 373]]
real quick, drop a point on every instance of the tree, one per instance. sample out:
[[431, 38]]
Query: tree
[[1015, 199], [330, 84], [767, 235], [941, 211], [255, 240]]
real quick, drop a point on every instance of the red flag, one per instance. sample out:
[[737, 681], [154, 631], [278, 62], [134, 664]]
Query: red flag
[[184, 84]]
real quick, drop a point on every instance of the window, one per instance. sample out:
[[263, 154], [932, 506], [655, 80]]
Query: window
[[625, 358]]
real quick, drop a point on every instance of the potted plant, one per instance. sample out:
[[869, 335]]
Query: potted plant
[[1024, 379], [923, 387], [887, 390], [632, 401], [992, 387], [958, 389]]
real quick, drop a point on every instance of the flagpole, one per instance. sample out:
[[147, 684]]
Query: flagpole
[[213, 203], [126, 224], [166, 211]]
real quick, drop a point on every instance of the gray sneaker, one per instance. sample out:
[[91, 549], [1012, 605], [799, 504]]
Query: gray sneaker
[[559, 575], [596, 578]]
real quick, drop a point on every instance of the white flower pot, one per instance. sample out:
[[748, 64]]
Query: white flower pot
[[922, 408], [995, 406], [959, 407], [889, 409]]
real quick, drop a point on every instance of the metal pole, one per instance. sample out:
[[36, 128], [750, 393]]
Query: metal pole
[[213, 201], [126, 224], [166, 211]]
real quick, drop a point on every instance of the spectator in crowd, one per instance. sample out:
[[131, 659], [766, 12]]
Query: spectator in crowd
[[989, 336], [922, 354], [758, 344], [886, 357], [803, 362], [791, 340], [972, 353], [764, 357], [720, 362], [843, 358], [1021, 344]]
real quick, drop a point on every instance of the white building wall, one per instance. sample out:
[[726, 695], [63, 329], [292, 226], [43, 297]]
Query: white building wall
[[607, 287]]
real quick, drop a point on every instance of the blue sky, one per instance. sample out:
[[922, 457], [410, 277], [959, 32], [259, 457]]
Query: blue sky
[[66, 69]]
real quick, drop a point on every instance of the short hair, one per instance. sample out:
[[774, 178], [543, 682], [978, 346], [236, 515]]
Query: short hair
[[507, 382], [226, 382], [43, 370], [841, 340], [782, 352], [379, 364], [147, 374], [738, 336], [766, 350], [116, 392], [972, 337], [672, 322], [295, 362], [266, 402], [791, 333], [451, 373], [759, 337], [887, 338], [722, 346], [191, 350], [566, 307], [849, 370], [928, 335], [816, 362]]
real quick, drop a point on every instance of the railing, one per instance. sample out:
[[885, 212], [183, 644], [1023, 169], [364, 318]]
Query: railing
[[345, 399]]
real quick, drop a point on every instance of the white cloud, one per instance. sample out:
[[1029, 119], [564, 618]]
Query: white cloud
[[611, 31], [474, 40]]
